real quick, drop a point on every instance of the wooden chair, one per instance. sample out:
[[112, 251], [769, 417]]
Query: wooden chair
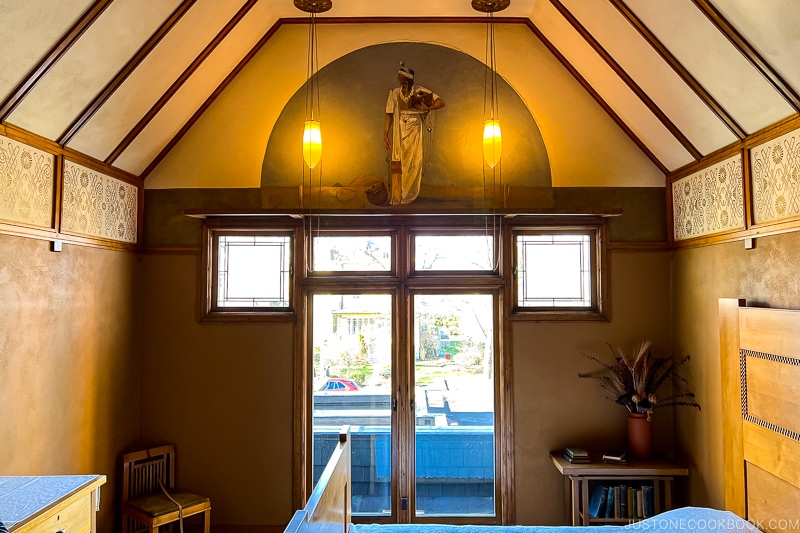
[[148, 495]]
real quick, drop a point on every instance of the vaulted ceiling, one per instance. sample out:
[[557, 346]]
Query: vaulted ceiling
[[123, 81]]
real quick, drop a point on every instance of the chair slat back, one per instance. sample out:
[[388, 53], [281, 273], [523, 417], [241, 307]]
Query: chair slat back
[[143, 470]]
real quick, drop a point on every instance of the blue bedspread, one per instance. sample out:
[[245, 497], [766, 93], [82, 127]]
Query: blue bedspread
[[687, 519]]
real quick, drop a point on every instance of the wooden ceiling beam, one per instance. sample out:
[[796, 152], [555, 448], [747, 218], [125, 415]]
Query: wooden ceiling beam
[[52, 57], [98, 101], [178, 83], [701, 92], [594, 94], [749, 52], [625, 77], [213, 96]]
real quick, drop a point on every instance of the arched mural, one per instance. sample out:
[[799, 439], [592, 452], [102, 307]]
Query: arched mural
[[355, 166]]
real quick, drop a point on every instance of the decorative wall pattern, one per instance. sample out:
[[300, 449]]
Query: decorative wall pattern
[[98, 205], [776, 178], [26, 184], [709, 201]]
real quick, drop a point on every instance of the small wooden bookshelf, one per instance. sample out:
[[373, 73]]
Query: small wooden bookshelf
[[580, 481]]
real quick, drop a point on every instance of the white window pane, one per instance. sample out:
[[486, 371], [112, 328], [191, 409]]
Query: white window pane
[[555, 272], [254, 271], [454, 252], [248, 268], [352, 253]]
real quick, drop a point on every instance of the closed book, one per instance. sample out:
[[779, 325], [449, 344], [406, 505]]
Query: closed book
[[647, 500], [623, 501], [610, 503], [616, 456], [639, 504], [577, 460], [617, 502], [597, 503], [576, 452], [630, 503]]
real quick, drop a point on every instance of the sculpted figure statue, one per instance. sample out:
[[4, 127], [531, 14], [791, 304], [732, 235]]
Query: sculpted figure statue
[[406, 110]]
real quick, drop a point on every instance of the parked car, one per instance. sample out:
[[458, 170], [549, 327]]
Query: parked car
[[338, 385]]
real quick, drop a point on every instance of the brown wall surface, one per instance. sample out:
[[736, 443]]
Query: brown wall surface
[[554, 408], [766, 276], [69, 375], [222, 393]]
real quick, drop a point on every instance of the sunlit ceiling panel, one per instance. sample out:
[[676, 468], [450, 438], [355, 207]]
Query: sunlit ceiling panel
[[650, 72], [89, 65], [773, 28], [610, 87], [195, 91], [154, 76], [710, 57], [28, 30]]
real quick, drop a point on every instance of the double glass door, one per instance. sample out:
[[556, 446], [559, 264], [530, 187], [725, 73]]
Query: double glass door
[[414, 374]]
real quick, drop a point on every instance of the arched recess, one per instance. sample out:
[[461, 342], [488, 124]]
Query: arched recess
[[353, 93]]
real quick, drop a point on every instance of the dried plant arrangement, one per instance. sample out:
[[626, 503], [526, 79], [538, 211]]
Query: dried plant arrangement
[[634, 378]]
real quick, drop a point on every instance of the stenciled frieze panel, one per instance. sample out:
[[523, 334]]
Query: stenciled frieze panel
[[26, 184], [776, 178], [709, 201], [98, 205]]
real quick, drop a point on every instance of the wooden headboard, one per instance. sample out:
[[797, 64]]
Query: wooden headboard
[[760, 358], [328, 508]]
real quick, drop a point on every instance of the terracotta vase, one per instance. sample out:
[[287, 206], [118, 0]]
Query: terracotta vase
[[640, 435]]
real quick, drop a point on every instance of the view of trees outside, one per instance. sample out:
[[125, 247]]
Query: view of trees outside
[[453, 353]]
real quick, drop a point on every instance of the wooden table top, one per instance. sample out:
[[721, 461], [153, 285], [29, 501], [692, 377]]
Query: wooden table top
[[22, 497], [658, 465]]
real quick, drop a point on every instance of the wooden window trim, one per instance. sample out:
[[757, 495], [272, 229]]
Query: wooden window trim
[[415, 231], [208, 310], [599, 312]]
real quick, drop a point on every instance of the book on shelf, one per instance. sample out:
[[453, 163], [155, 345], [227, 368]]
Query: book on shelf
[[624, 501], [647, 501], [631, 504], [573, 452], [610, 502], [639, 504], [597, 503]]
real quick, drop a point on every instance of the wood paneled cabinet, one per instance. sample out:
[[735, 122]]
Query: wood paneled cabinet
[[50, 504], [580, 481]]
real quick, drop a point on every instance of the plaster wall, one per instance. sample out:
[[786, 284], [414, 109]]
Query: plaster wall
[[765, 276], [553, 408], [225, 147], [222, 393], [69, 369]]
